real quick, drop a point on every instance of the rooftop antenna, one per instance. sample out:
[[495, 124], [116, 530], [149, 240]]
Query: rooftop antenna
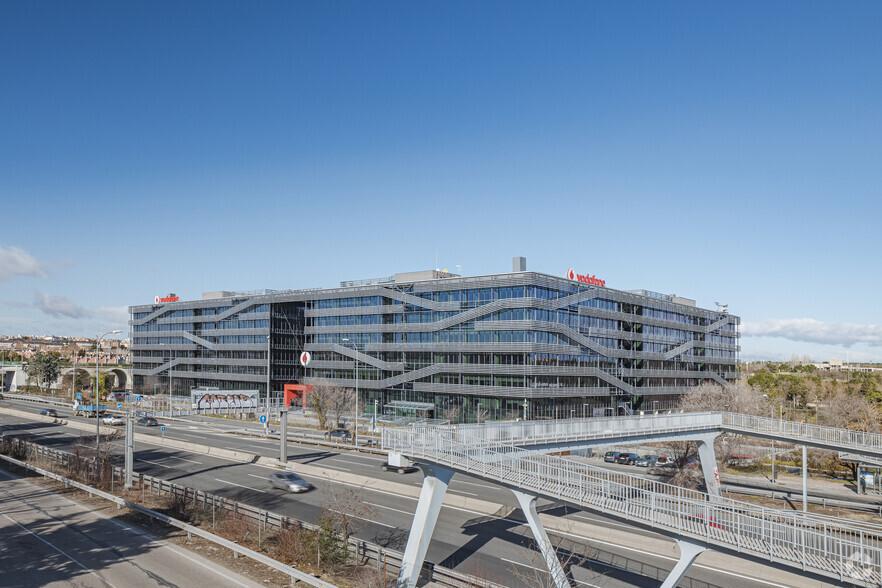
[[721, 307]]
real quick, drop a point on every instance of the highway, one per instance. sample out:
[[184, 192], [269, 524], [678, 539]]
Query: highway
[[48, 540], [489, 546]]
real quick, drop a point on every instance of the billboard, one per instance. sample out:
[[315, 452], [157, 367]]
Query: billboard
[[228, 399]]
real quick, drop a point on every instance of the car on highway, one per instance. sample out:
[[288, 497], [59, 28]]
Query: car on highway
[[627, 458], [113, 419], [147, 422], [339, 435], [289, 481], [408, 469], [49, 412], [611, 456], [646, 461]]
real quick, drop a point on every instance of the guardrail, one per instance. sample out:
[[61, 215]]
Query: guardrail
[[370, 553], [817, 434], [838, 548]]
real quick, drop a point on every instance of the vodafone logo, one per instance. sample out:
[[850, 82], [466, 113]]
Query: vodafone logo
[[305, 358], [169, 298], [586, 279]]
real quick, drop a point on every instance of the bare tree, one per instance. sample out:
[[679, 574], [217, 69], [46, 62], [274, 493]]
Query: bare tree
[[341, 403], [320, 400], [482, 414], [345, 508], [850, 410]]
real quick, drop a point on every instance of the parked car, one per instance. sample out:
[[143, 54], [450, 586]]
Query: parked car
[[646, 461], [664, 460], [289, 481], [49, 412], [627, 458], [147, 422], [611, 456], [400, 469], [114, 419], [339, 435]]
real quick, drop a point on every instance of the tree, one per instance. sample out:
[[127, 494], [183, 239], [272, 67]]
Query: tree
[[44, 369], [329, 401], [83, 380]]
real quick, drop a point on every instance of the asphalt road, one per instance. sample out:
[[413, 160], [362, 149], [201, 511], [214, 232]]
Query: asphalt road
[[48, 540], [496, 548]]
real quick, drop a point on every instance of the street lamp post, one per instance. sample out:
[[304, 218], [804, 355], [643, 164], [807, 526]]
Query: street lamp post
[[98, 396], [355, 431]]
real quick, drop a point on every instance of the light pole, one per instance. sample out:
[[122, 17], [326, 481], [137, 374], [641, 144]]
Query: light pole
[[355, 432], [169, 379], [98, 396]]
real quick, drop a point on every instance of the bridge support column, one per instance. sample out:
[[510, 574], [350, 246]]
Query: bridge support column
[[709, 464], [688, 552], [527, 503], [435, 482]]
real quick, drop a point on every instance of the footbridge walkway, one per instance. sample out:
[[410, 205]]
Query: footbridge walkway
[[560, 435], [845, 550]]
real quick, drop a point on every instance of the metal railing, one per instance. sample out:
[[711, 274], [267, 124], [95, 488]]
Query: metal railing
[[838, 548], [798, 432], [568, 430], [363, 551]]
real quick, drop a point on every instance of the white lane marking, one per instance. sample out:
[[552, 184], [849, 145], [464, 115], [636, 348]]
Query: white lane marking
[[461, 492], [150, 538], [239, 485], [346, 461], [408, 513], [260, 477], [601, 521], [364, 519], [184, 459], [474, 484], [58, 550], [324, 465], [153, 463]]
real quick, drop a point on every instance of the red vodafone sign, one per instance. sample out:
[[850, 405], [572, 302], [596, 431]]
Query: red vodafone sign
[[587, 279], [305, 358], [169, 298]]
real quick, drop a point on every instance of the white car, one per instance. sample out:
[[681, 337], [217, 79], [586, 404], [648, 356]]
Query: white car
[[114, 419]]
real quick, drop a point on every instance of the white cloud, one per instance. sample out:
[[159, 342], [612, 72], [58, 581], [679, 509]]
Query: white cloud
[[18, 262], [59, 306], [113, 314], [813, 331]]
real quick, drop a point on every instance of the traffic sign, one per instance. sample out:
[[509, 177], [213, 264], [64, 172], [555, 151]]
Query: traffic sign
[[119, 404], [162, 428], [138, 398], [79, 394], [305, 358], [263, 418]]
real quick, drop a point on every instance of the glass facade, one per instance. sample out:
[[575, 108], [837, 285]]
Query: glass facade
[[494, 345]]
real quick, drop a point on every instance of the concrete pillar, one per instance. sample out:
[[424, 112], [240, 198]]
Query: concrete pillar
[[527, 503], [709, 464], [435, 482], [688, 552], [130, 448]]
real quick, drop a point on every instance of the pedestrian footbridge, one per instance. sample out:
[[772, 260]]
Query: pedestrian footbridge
[[845, 550]]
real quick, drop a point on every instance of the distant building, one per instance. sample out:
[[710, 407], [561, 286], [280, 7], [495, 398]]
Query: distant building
[[439, 344]]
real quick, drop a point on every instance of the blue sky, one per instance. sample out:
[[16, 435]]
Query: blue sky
[[722, 152]]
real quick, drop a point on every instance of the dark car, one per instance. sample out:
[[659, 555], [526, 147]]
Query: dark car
[[400, 469], [49, 412], [339, 435], [627, 458], [646, 461], [611, 456], [147, 422]]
